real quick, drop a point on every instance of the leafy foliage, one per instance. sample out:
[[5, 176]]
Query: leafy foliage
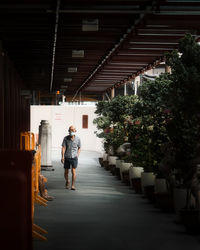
[[151, 114], [184, 101], [113, 118]]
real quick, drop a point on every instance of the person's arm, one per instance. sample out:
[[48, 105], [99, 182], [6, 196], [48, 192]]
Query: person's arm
[[62, 154], [63, 150], [79, 150]]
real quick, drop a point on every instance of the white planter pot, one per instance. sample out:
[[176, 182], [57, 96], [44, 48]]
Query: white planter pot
[[135, 172], [147, 179], [118, 163], [105, 157], [112, 160], [124, 168], [160, 185]]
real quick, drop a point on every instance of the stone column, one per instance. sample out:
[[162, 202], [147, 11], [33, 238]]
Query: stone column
[[112, 93], [125, 89], [45, 142]]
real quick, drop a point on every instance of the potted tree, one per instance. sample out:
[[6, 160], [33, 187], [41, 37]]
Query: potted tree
[[148, 132], [155, 95], [111, 122], [184, 127]]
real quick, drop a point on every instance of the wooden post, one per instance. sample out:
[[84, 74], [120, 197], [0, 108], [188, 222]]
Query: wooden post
[[18, 114], [7, 129], [1, 98], [12, 106]]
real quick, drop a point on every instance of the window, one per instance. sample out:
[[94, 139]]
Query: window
[[85, 121]]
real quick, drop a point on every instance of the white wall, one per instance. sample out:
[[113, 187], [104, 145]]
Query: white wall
[[61, 117]]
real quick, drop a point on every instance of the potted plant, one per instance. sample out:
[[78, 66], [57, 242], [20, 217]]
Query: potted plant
[[184, 127], [148, 131], [155, 96], [112, 125], [103, 123]]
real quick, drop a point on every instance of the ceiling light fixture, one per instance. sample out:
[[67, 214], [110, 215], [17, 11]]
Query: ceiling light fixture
[[78, 53], [67, 79], [72, 69], [90, 25], [63, 86]]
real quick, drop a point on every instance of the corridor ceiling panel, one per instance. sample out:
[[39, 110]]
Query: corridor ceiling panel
[[90, 46]]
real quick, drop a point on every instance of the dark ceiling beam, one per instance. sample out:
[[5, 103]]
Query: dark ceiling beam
[[129, 53], [114, 75], [117, 71], [77, 61], [111, 74], [177, 22], [134, 75], [137, 59], [29, 5], [54, 44], [174, 11], [132, 63], [66, 54], [122, 40], [79, 33], [102, 11], [87, 46], [147, 46], [156, 38], [120, 67], [85, 39]]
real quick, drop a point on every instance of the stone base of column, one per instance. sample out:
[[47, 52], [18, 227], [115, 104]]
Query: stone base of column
[[47, 168]]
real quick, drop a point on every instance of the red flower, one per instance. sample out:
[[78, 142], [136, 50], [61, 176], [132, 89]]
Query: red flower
[[137, 122], [107, 130]]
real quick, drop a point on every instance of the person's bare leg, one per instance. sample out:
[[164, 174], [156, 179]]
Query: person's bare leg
[[66, 174], [73, 177]]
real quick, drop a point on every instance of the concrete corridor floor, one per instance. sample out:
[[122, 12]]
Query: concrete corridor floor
[[104, 214]]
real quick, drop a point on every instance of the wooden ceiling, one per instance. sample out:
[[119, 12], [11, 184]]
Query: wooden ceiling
[[132, 36]]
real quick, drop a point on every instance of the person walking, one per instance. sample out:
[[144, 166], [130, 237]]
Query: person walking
[[71, 147]]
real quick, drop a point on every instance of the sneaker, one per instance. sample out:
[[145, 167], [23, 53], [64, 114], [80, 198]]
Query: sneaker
[[67, 185]]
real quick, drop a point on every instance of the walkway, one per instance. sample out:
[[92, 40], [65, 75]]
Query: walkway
[[104, 214]]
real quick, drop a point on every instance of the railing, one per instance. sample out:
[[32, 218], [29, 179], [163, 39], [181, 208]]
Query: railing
[[27, 142]]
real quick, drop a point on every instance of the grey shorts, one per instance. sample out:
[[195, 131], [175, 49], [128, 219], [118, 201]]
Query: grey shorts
[[71, 162]]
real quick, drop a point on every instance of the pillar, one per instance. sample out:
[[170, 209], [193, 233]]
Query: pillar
[[1, 98], [12, 107], [112, 93], [125, 89], [17, 117], [45, 140], [7, 129]]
